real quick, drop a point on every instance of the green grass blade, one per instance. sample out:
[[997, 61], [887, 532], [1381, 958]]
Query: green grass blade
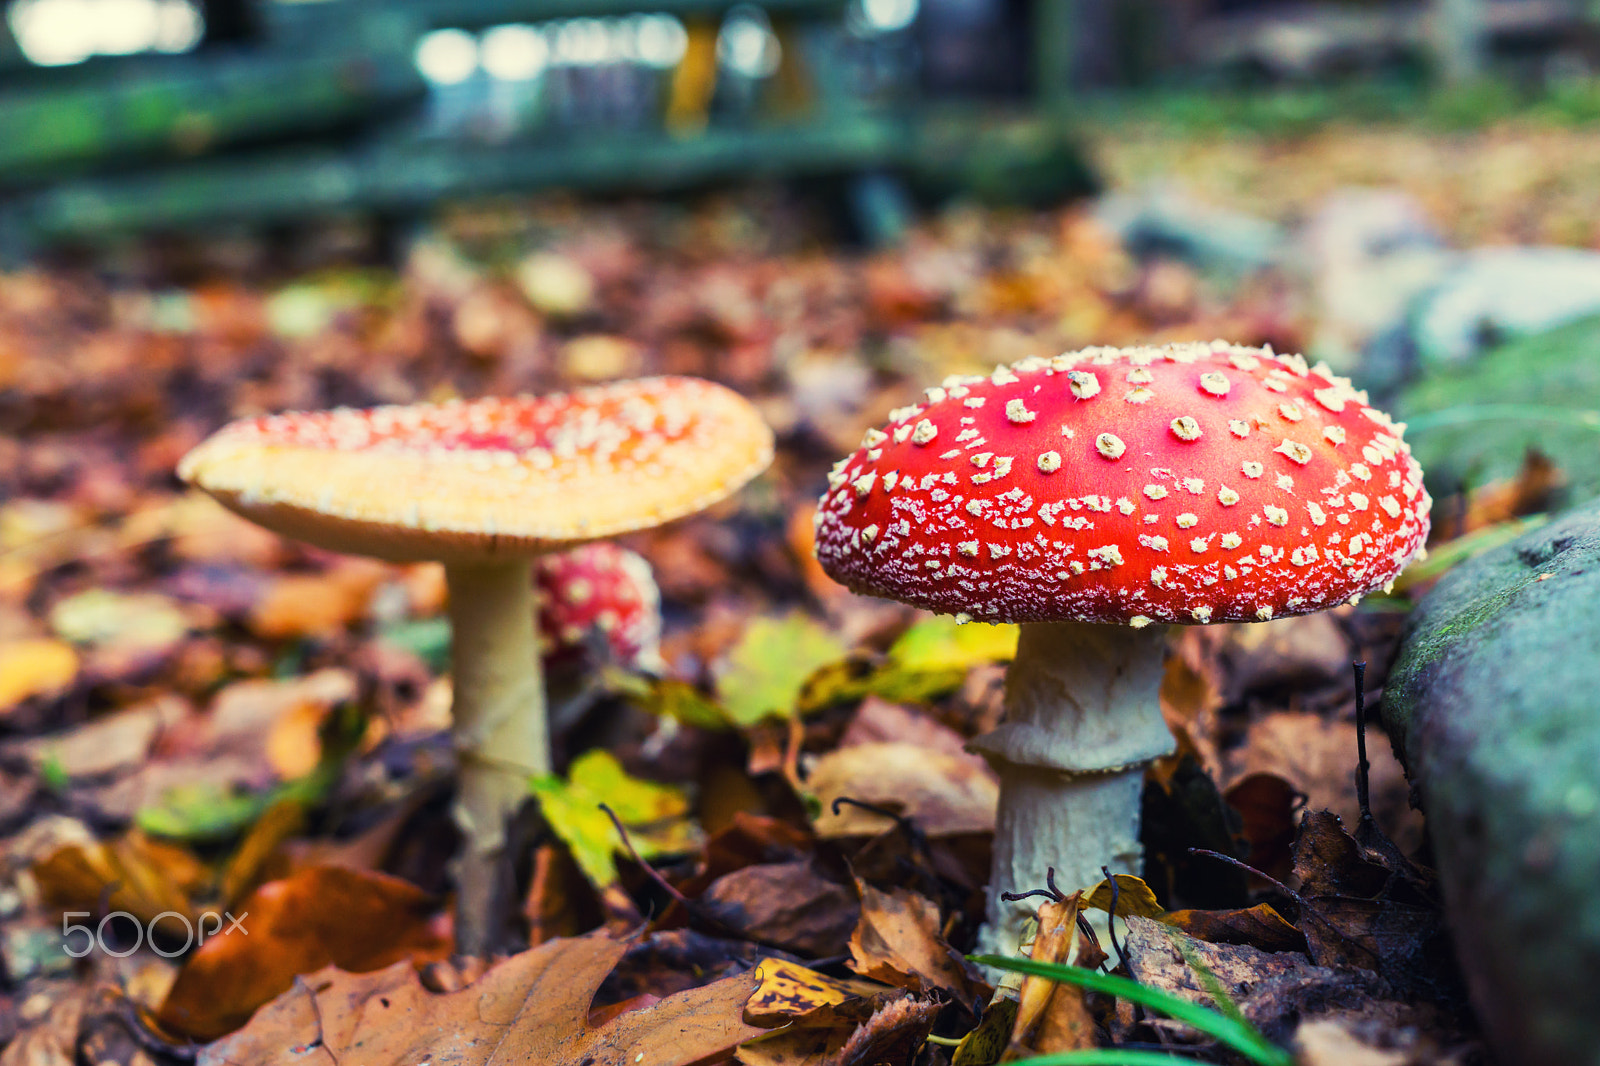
[[1243, 1038], [1104, 1057]]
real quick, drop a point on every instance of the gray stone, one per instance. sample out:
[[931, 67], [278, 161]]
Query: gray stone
[[1498, 294], [1167, 221], [1492, 704]]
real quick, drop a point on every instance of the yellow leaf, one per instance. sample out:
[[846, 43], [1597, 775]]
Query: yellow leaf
[[656, 816], [940, 643], [34, 667], [768, 668], [787, 989], [1134, 897]]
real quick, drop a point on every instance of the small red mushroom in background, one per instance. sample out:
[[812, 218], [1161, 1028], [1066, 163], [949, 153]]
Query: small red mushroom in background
[[1092, 497], [485, 487], [599, 598]]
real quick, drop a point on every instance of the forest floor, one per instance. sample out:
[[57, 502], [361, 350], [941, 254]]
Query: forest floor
[[199, 719]]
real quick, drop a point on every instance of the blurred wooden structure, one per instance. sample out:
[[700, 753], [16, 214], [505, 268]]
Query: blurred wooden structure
[[325, 111]]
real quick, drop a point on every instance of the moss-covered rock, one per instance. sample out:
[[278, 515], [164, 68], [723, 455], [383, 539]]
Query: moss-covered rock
[[1494, 706]]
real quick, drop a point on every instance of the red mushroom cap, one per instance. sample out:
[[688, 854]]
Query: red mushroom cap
[[1191, 483], [598, 586], [487, 479]]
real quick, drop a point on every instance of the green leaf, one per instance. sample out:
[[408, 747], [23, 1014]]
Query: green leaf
[[1240, 1036], [767, 669], [426, 638], [201, 811], [667, 697], [939, 642], [656, 816]]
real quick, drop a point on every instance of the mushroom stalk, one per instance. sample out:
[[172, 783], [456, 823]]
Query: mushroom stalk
[[1083, 717], [500, 733]]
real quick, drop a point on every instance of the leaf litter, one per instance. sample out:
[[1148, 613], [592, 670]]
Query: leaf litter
[[198, 717]]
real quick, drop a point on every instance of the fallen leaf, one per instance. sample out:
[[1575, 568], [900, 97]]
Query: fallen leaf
[[324, 916], [984, 1045], [1268, 809], [788, 989], [316, 605], [764, 672], [655, 815], [943, 794], [1371, 908], [294, 744], [1260, 927], [895, 1032], [878, 720], [1324, 1042], [1265, 986], [142, 620], [1052, 1016], [940, 642], [1133, 896], [826, 1022], [532, 1008], [118, 741], [130, 873], [34, 667], [899, 943], [201, 811], [786, 905], [53, 1039]]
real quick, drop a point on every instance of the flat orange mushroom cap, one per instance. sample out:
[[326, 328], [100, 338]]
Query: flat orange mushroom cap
[[1191, 483], [487, 479]]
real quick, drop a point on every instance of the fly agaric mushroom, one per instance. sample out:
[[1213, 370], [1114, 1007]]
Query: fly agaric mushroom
[[484, 486], [1087, 497], [598, 588]]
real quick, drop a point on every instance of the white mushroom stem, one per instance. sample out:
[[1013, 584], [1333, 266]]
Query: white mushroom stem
[[1083, 718], [501, 737]]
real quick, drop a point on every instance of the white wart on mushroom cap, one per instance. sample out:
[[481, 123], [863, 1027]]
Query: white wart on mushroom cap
[[489, 478], [1192, 483]]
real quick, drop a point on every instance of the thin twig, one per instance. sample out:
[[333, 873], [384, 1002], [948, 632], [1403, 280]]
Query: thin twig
[[1051, 892], [140, 1033], [1363, 795], [1247, 868], [650, 871], [1111, 926]]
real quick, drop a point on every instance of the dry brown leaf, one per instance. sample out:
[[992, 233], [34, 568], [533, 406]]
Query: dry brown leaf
[[898, 942], [1052, 1016], [116, 742], [316, 605], [1317, 757], [787, 905], [532, 1008], [131, 873], [944, 794], [1260, 927], [1324, 1042], [53, 1039], [894, 1033], [323, 916]]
